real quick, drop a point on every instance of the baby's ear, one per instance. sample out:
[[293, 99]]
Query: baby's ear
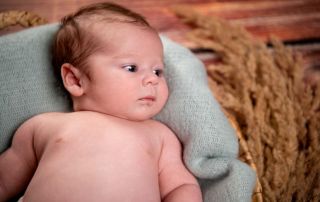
[[71, 79]]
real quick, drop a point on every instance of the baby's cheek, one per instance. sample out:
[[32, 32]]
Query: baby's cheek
[[163, 99], [165, 92]]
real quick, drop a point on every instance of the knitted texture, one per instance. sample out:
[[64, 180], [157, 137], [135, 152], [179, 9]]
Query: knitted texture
[[277, 108], [210, 143], [28, 87]]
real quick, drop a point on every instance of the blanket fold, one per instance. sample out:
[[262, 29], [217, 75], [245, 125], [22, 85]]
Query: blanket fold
[[210, 143]]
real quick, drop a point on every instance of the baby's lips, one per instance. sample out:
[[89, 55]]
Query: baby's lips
[[148, 98]]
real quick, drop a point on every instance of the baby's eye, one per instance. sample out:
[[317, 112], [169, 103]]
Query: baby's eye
[[158, 72], [130, 68]]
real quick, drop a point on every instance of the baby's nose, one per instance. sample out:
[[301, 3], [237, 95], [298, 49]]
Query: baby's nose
[[150, 78]]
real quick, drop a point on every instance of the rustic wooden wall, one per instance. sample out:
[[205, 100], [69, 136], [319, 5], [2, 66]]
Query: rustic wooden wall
[[296, 22]]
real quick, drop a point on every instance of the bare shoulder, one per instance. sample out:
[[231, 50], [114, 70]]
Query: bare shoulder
[[160, 126], [23, 139], [166, 133], [28, 127], [55, 118], [44, 116]]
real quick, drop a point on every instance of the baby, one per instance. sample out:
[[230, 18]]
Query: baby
[[109, 149]]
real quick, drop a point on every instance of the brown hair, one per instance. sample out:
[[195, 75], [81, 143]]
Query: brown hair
[[74, 43]]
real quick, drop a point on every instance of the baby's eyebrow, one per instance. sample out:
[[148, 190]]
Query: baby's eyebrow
[[124, 56], [157, 63], [161, 65]]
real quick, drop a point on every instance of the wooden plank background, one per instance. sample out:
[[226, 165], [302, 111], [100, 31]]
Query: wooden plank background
[[296, 22]]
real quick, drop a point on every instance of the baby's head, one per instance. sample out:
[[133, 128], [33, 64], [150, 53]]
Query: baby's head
[[111, 61]]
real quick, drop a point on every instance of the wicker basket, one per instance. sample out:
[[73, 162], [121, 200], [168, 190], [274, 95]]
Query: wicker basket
[[28, 19], [247, 158]]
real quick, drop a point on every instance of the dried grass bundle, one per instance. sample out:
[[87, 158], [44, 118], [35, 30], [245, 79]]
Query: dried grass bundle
[[277, 114], [23, 18]]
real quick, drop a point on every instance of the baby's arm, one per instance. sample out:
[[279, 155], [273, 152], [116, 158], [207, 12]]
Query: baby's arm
[[176, 182], [18, 163]]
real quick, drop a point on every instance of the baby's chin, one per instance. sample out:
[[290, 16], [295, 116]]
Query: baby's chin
[[136, 114], [126, 114], [135, 117]]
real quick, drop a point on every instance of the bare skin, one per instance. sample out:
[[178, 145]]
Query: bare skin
[[87, 156], [109, 149]]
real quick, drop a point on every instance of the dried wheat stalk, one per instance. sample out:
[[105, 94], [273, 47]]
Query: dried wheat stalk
[[277, 114]]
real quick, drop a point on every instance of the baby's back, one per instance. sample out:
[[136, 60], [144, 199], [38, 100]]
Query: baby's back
[[87, 156]]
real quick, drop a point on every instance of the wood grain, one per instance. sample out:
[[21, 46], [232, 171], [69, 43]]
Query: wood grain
[[293, 21]]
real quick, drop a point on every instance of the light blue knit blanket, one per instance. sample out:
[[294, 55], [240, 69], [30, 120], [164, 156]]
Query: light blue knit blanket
[[28, 87]]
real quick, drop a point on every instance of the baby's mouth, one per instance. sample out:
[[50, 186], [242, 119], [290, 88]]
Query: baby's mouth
[[148, 99]]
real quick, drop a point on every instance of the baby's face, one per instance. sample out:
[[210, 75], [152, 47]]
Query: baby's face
[[126, 80]]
